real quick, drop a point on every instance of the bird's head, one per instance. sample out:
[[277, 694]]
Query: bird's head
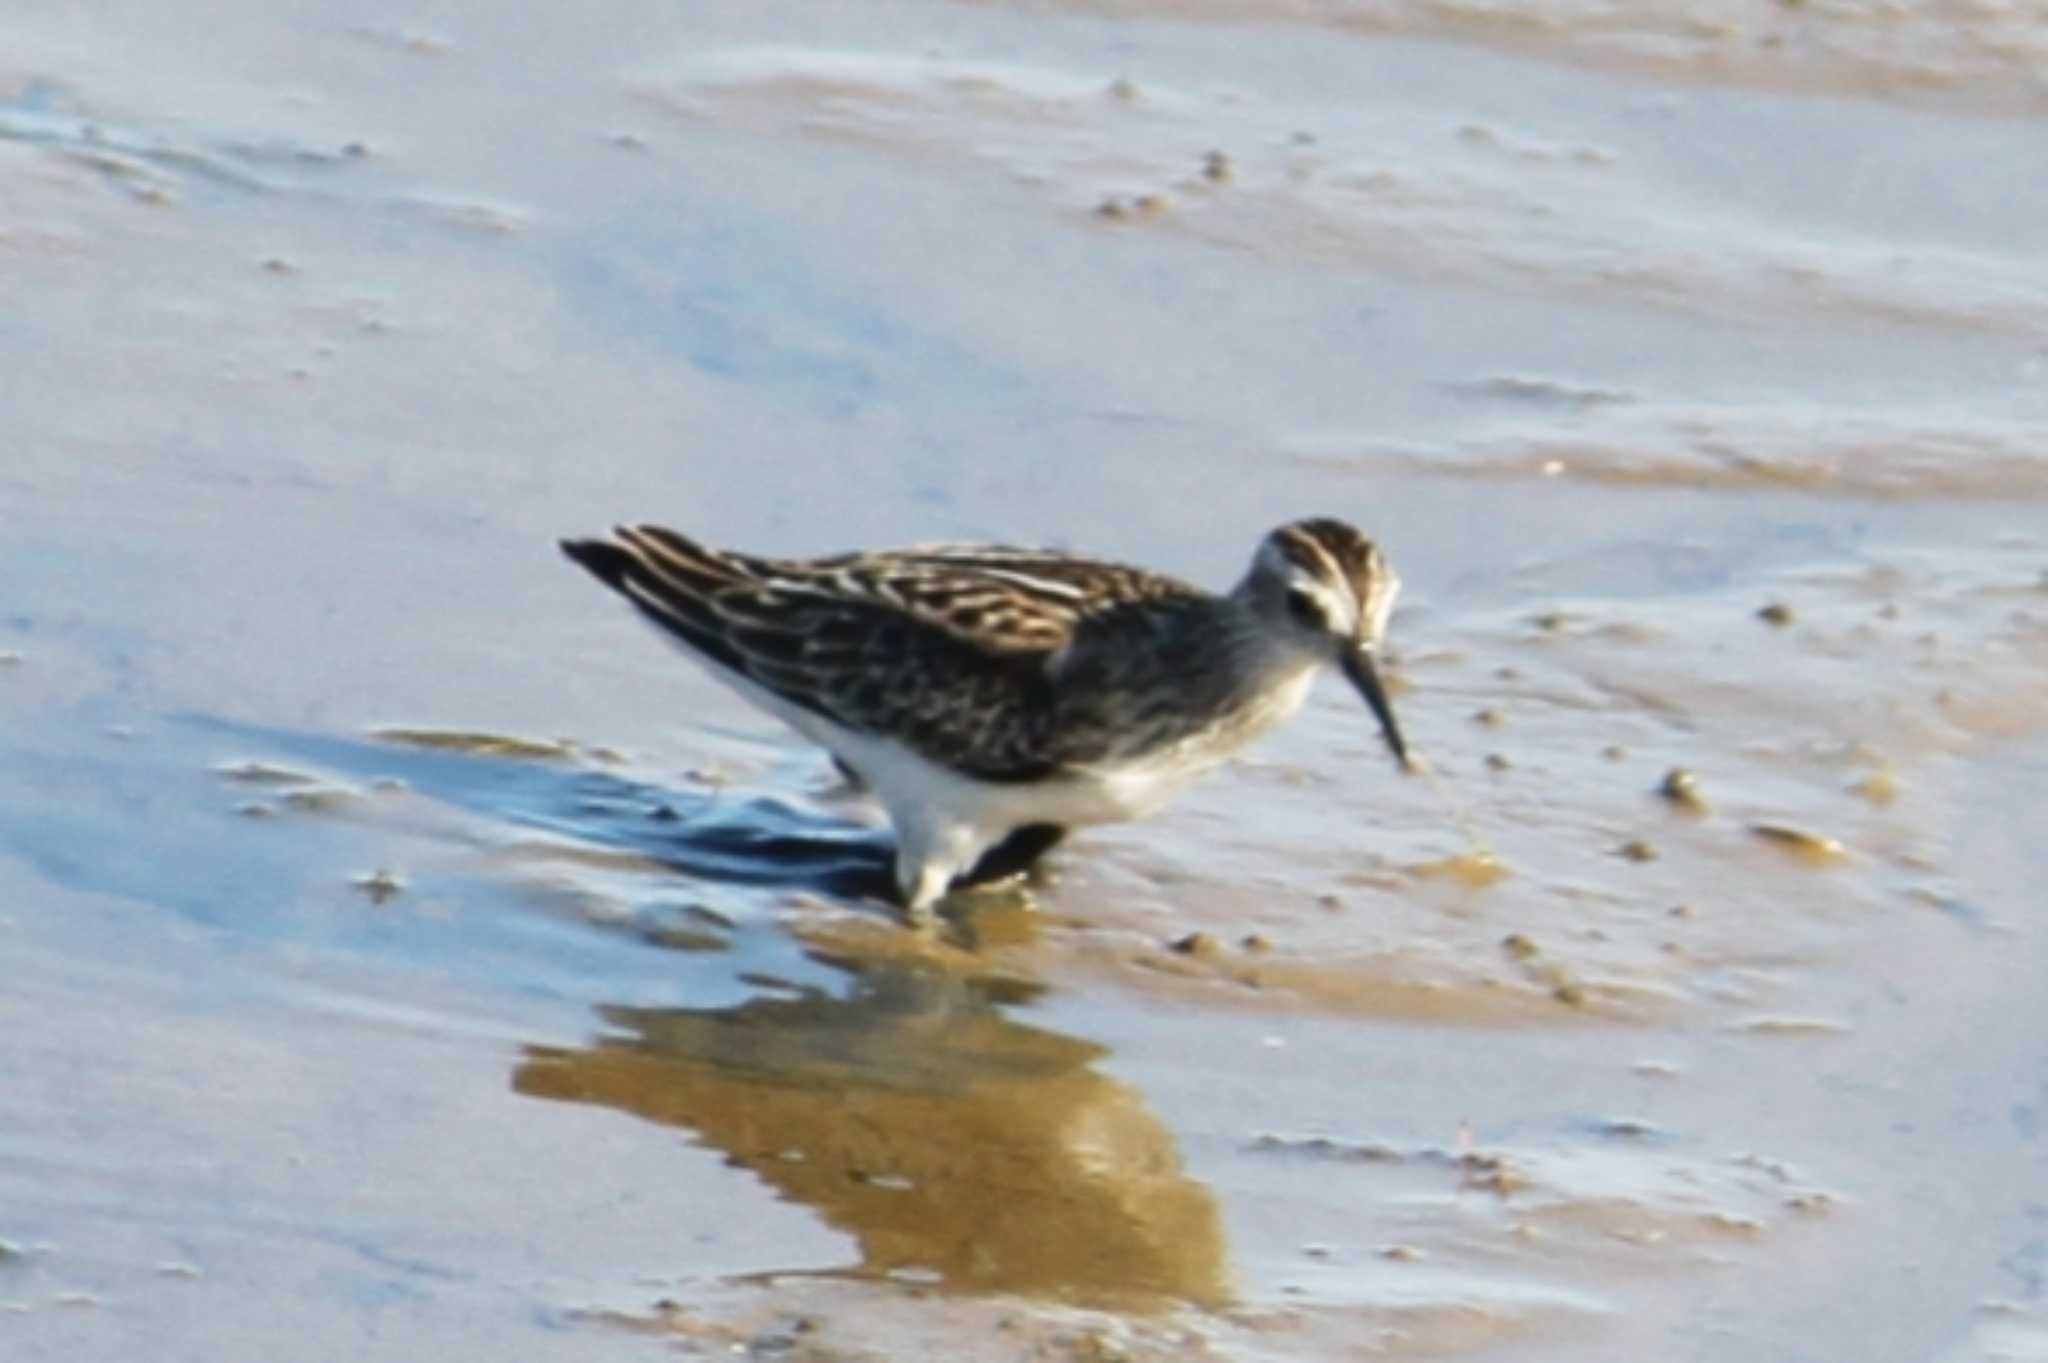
[[1329, 589]]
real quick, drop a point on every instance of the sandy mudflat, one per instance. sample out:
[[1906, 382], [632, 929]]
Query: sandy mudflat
[[409, 957]]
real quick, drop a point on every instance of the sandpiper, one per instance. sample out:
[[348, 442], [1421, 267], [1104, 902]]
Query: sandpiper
[[993, 698]]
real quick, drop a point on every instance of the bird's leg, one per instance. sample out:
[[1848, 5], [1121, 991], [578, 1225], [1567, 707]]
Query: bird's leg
[[853, 779], [928, 857], [1015, 855]]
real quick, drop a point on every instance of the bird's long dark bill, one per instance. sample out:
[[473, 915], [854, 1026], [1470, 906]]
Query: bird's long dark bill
[[1365, 675]]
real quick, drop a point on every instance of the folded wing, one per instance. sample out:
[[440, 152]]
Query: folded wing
[[950, 651]]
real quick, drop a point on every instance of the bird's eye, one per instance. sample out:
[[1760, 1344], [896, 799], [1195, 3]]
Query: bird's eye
[[1305, 609]]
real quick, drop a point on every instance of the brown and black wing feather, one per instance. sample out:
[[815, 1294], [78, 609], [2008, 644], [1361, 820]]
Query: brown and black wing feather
[[948, 650]]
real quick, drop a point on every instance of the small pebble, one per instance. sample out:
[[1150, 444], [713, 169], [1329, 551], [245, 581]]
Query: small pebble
[[1216, 168], [1518, 946], [1682, 789], [1812, 847], [1197, 944], [1635, 849], [1777, 613], [1495, 1175], [1489, 718], [380, 885], [1629, 1129], [1497, 762]]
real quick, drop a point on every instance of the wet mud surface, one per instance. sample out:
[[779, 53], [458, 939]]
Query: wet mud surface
[[410, 956]]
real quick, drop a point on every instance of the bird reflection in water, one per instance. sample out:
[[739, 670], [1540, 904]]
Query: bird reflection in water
[[950, 1141]]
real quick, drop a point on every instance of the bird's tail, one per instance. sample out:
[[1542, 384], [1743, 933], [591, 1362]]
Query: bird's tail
[[670, 578]]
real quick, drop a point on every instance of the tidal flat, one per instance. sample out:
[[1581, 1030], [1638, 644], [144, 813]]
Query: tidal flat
[[407, 955]]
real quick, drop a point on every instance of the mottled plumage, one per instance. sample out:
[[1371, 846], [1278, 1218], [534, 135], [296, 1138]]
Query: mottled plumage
[[984, 691]]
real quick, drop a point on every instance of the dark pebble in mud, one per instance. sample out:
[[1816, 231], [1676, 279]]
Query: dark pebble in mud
[[1682, 789], [381, 885]]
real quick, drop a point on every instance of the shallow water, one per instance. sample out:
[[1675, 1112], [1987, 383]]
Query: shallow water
[[408, 955]]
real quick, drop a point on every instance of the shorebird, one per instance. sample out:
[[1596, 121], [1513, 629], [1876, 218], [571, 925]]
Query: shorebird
[[993, 698]]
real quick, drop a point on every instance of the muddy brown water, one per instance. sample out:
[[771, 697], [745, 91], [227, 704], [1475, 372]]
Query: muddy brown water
[[406, 955]]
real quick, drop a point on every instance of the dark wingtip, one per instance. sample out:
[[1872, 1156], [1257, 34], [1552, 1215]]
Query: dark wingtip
[[605, 560]]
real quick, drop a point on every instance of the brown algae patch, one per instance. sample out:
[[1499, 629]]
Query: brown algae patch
[[1880, 787], [477, 744], [323, 800], [1812, 848], [1789, 1026], [256, 773], [995, 946], [1475, 870]]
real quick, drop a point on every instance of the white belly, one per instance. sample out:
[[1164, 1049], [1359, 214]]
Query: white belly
[[945, 819]]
